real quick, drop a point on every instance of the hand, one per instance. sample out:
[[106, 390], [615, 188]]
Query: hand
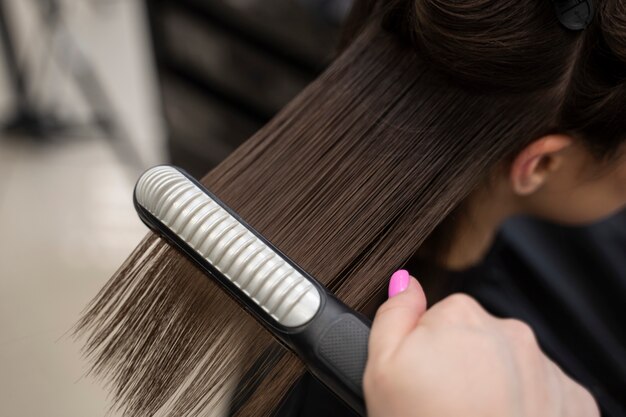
[[457, 360]]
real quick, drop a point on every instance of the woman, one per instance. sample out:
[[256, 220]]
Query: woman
[[439, 119]]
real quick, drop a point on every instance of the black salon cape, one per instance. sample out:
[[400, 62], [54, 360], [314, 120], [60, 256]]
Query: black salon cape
[[569, 284]]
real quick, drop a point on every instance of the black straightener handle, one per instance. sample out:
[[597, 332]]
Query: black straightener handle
[[328, 336]]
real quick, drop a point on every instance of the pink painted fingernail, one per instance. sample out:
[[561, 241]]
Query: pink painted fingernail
[[399, 282]]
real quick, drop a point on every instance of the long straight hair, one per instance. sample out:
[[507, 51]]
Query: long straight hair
[[351, 178]]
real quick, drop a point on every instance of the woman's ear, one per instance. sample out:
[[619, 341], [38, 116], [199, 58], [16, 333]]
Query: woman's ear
[[536, 162]]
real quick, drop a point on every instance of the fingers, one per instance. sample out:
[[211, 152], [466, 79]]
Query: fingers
[[398, 316], [457, 308], [578, 402], [563, 395], [584, 405]]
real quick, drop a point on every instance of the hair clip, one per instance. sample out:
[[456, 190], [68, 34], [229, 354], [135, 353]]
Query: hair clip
[[574, 14]]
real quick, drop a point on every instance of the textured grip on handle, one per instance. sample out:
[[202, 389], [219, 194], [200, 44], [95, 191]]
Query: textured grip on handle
[[343, 347]]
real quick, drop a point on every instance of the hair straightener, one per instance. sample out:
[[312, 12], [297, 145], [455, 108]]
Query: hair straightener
[[329, 337]]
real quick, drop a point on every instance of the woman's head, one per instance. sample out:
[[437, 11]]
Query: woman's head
[[357, 172], [575, 171], [556, 177], [573, 168]]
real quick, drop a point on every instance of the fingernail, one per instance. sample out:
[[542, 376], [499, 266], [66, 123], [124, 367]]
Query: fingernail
[[399, 282]]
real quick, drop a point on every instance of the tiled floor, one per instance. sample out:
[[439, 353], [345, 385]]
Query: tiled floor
[[67, 222]]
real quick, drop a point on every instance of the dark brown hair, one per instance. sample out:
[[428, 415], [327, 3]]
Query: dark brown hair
[[352, 177]]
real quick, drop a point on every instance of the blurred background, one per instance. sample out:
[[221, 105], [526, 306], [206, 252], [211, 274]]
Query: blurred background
[[91, 93], [94, 91]]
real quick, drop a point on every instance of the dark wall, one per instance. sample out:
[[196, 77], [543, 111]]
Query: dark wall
[[227, 66]]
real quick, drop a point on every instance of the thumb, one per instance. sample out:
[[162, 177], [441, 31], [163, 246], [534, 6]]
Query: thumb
[[397, 316]]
